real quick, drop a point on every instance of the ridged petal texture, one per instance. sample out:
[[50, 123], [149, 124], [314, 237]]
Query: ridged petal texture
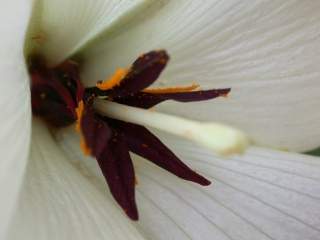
[[59, 201], [261, 195], [266, 51], [60, 28], [14, 104]]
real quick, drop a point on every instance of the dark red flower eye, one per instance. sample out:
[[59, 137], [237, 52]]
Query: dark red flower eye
[[53, 97]]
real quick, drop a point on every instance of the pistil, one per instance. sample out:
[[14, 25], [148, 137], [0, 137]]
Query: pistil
[[220, 138]]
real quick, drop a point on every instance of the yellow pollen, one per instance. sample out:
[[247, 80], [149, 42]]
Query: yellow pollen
[[171, 89], [113, 81], [79, 112], [83, 145]]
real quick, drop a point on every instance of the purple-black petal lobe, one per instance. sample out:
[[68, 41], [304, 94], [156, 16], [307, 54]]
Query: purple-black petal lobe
[[142, 142], [143, 72], [97, 133], [116, 165], [112, 154], [53, 97], [148, 100]]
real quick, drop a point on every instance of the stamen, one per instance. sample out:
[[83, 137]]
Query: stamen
[[113, 81], [83, 145], [178, 89], [60, 98], [79, 111], [220, 138]]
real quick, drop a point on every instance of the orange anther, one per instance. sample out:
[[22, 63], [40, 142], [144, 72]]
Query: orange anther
[[79, 111], [84, 147], [113, 81], [171, 89]]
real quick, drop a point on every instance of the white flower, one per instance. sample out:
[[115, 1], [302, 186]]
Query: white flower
[[267, 51]]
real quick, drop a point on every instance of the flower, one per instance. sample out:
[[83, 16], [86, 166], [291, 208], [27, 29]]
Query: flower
[[267, 53]]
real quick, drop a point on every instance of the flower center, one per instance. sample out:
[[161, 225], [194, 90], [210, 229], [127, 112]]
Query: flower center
[[111, 116]]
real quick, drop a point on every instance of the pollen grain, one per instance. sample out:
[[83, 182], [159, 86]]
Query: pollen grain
[[113, 81], [79, 111], [171, 89], [84, 147]]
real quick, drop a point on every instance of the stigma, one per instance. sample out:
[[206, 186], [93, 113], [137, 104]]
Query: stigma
[[111, 119]]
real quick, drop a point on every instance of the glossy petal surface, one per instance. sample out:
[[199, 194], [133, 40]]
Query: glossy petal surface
[[267, 52], [262, 195], [14, 104], [59, 201], [69, 25]]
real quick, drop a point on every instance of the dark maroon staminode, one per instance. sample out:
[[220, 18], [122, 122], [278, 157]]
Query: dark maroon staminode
[[57, 94]]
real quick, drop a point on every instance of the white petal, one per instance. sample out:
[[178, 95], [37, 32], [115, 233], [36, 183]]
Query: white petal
[[258, 196], [14, 104], [63, 27], [267, 51], [262, 195], [58, 202]]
